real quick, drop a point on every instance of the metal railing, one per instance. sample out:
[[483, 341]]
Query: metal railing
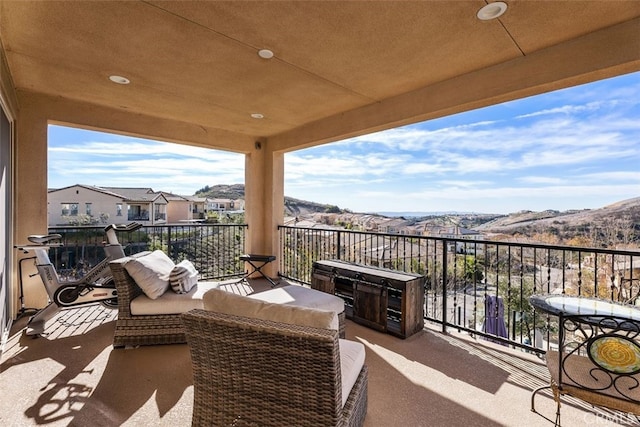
[[471, 285], [138, 217], [214, 249], [478, 286]]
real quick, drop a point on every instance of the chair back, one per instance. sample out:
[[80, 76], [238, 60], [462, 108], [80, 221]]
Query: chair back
[[599, 360], [259, 372]]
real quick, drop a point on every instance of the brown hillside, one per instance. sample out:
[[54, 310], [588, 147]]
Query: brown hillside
[[623, 215]]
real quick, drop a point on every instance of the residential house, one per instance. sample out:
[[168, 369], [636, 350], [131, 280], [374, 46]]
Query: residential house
[[217, 205], [383, 251], [85, 205], [179, 208], [369, 222], [199, 207], [455, 232], [393, 225], [193, 208]]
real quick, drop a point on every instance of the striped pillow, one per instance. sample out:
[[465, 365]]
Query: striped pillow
[[183, 277]]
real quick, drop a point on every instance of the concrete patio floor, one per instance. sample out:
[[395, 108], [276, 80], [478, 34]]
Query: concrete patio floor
[[73, 376]]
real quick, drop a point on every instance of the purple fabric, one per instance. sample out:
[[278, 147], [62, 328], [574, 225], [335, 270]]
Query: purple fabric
[[494, 317]]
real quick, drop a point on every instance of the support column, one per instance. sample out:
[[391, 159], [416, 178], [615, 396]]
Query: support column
[[264, 202], [30, 194]]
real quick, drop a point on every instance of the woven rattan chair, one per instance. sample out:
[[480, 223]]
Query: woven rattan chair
[[149, 329], [252, 372], [140, 330], [598, 361]]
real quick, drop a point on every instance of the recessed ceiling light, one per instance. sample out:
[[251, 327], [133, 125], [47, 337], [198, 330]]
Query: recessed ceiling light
[[119, 79], [265, 53], [257, 116], [492, 11]]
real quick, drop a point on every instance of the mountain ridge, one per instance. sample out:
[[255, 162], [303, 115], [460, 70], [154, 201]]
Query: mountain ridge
[[292, 206], [618, 210], [623, 214]]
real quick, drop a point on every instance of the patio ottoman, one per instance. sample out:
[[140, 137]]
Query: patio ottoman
[[305, 297]]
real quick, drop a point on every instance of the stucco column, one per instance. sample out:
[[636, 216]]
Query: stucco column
[[264, 202], [30, 195]]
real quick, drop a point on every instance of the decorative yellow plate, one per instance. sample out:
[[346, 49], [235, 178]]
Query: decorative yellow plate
[[615, 354]]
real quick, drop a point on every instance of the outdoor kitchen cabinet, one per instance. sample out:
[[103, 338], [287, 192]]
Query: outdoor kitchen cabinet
[[386, 300]]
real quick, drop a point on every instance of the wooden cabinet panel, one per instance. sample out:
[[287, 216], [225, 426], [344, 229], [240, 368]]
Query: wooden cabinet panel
[[386, 300], [370, 305], [322, 282]]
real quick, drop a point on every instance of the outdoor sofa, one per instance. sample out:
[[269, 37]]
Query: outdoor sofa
[[152, 316]]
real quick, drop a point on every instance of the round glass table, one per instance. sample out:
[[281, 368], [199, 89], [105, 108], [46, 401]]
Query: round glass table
[[566, 305]]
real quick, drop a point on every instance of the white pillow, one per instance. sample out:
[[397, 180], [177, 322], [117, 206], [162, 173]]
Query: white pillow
[[183, 277], [225, 302], [151, 272]]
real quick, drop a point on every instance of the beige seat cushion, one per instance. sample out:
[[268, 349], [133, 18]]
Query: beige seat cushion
[[303, 297], [172, 303], [228, 303], [351, 362]]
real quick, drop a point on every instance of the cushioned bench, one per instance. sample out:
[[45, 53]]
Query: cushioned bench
[[154, 317]]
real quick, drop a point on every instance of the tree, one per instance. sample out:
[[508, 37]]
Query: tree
[[332, 209], [81, 219], [204, 189], [579, 240], [104, 217]]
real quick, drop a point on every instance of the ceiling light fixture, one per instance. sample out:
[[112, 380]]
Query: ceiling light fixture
[[491, 11], [257, 116], [120, 80], [265, 54]]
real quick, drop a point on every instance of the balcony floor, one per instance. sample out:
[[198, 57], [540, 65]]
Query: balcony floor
[[73, 376]]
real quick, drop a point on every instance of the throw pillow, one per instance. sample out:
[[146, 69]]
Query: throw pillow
[[151, 272], [183, 277]]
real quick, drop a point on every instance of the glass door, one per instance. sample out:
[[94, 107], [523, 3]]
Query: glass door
[[5, 227]]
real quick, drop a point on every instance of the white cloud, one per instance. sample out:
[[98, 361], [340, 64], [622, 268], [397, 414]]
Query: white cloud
[[566, 109], [119, 162], [501, 199], [575, 148], [542, 180]]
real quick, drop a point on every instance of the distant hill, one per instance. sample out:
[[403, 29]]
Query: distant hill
[[614, 220], [605, 224], [292, 207], [418, 214], [233, 192]]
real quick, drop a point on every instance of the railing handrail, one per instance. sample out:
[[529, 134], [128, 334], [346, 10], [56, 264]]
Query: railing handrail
[[462, 272], [214, 248], [630, 252]]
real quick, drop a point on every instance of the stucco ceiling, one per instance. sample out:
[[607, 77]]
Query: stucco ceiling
[[340, 68]]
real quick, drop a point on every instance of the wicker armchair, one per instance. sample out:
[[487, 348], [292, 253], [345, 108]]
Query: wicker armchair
[[252, 372], [140, 330]]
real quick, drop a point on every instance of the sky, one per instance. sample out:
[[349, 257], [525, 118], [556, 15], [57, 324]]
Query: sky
[[577, 148]]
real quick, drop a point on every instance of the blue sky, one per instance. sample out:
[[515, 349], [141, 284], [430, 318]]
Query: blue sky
[[571, 149]]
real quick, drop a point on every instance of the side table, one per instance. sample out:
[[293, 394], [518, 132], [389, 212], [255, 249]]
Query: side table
[[257, 262]]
